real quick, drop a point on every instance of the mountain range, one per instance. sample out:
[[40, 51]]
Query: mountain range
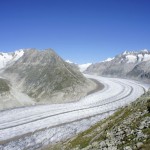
[[31, 76], [134, 65]]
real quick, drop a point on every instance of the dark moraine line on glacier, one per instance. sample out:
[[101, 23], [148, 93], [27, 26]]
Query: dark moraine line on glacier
[[73, 110], [30, 133], [69, 112]]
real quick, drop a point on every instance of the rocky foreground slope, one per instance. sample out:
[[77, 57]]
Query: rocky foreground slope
[[127, 129], [135, 65], [43, 77]]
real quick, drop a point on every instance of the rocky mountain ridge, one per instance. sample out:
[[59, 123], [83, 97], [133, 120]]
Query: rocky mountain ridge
[[133, 65]]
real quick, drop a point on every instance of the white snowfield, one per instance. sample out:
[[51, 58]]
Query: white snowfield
[[30, 127], [8, 58], [83, 67]]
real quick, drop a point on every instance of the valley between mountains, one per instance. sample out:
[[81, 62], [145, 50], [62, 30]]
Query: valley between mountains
[[36, 126], [44, 100]]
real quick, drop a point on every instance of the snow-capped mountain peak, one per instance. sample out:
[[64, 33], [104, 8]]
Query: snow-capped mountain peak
[[135, 56], [145, 51], [125, 52], [108, 59], [18, 54], [133, 64], [7, 58]]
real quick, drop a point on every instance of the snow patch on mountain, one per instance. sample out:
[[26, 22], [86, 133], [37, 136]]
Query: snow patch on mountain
[[146, 57], [18, 54], [108, 59], [131, 58], [68, 61], [83, 67], [140, 57], [136, 56], [126, 52], [145, 51], [6, 58]]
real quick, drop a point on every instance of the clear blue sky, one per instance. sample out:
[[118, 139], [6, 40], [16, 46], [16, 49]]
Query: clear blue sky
[[79, 30]]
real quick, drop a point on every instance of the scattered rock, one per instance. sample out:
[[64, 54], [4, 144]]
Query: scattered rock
[[95, 144], [127, 148], [102, 144], [139, 144]]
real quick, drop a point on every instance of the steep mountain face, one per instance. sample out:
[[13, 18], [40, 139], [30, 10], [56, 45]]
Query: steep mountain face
[[141, 70], [74, 65], [45, 77], [127, 64]]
